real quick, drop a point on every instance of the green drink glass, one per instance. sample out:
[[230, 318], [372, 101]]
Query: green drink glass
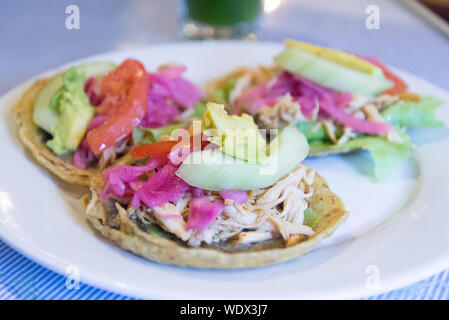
[[219, 19]]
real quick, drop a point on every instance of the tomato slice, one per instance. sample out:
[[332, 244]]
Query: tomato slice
[[156, 149], [125, 92], [163, 148], [399, 85]]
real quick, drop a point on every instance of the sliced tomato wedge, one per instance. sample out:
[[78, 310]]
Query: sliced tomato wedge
[[156, 149], [125, 92], [399, 85], [163, 148]]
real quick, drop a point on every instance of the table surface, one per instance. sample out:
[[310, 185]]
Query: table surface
[[34, 38]]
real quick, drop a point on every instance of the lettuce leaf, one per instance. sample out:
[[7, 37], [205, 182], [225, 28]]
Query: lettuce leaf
[[142, 135], [156, 231], [199, 110], [407, 114], [223, 93], [387, 156], [313, 130]]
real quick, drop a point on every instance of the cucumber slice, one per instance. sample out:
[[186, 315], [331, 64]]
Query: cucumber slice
[[45, 117], [212, 170], [332, 75]]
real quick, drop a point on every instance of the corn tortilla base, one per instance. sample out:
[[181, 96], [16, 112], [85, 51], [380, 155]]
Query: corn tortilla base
[[125, 233], [34, 140]]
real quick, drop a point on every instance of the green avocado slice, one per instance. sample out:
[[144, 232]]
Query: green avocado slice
[[46, 117]]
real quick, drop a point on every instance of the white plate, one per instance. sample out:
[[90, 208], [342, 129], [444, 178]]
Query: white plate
[[397, 231]]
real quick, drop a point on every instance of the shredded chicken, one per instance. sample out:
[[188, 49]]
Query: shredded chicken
[[184, 117], [240, 86], [246, 237], [294, 239], [110, 154], [256, 76], [348, 133], [287, 228], [286, 111], [372, 114], [286, 202], [364, 108], [358, 101], [316, 110], [283, 113], [171, 220], [383, 101], [330, 128], [271, 211], [268, 213]]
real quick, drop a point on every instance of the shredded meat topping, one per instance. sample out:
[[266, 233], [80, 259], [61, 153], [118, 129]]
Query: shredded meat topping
[[246, 78], [283, 113], [268, 213], [110, 154]]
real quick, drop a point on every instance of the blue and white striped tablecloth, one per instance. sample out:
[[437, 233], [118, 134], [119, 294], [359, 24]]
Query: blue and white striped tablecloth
[[21, 278], [402, 40]]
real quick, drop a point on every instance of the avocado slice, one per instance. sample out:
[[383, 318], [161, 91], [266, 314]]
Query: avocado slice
[[74, 112], [211, 169], [46, 117], [237, 136]]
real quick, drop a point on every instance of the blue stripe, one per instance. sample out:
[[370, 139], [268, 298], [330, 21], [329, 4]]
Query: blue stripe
[[445, 284], [103, 294], [63, 291], [18, 281], [437, 286], [58, 283], [12, 261], [87, 292], [111, 296], [428, 287], [30, 275], [8, 255], [94, 292], [40, 279], [55, 294], [14, 277], [79, 292], [388, 296], [96, 295], [68, 294], [395, 295], [3, 249], [52, 278]]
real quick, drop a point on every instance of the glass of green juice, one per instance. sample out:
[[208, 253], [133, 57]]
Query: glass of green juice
[[219, 19]]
